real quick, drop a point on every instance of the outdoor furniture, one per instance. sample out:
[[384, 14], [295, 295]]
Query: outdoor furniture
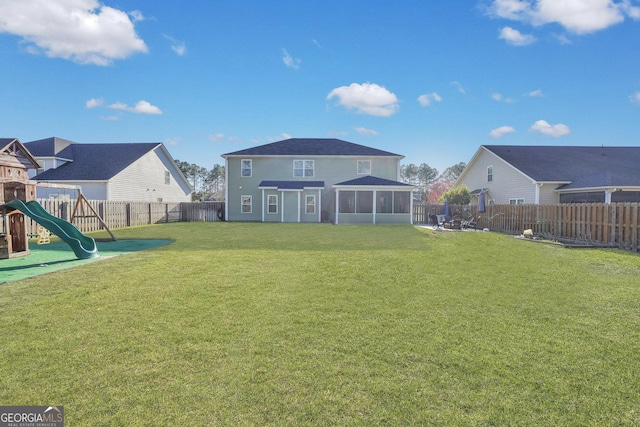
[[470, 222], [454, 223]]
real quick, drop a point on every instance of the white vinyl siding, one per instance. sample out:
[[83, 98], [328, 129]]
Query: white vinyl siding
[[145, 180], [508, 182]]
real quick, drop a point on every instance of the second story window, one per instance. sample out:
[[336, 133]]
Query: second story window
[[489, 173], [246, 167], [167, 177], [303, 168], [364, 167]]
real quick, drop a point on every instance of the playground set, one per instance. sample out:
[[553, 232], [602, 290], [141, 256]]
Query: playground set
[[18, 200]]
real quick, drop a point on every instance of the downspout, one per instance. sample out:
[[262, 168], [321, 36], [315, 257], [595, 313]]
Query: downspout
[[337, 193], [226, 188], [263, 205], [299, 207], [319, 205]]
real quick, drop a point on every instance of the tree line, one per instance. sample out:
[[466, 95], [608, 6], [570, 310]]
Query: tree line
[[207, 184], [431, 185]]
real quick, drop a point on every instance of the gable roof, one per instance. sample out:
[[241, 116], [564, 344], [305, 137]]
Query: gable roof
[[311, 147], [373, 181], [95, 162], [583, 167], [48, 147], [291, 185], [13, 153]]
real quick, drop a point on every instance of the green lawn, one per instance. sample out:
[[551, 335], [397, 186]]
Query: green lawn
[[290, 324]]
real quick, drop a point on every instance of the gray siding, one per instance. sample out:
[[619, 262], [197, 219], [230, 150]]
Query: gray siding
[[331, 170]]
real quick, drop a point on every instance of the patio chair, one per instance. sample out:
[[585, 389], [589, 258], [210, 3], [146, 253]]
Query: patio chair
[[454, 223], [470, 222]]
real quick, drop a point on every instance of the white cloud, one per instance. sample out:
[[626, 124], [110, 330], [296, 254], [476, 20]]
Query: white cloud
[[290, 61], [515, 37], [83, 31], [501, 131], [426, 99], [635, 97], [177, 46], [141, 107], [136, 15], [110, 118], [172, 141], [217, 137], [536, 93], [94, 102], [550, 130], [280, 137], [459, 87], [365, 131], [498, 97], [577, 16], [366, 98]]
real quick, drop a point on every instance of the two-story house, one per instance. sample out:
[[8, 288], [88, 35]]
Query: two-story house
[[316, 180], [143, 172]]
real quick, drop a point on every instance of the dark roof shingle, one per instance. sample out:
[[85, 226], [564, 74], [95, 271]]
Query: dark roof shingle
[[311, 147], [95, 162], [582, 166]]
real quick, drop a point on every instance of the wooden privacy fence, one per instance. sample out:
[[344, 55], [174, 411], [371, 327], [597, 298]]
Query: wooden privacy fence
[[615, 224], [129, 214]]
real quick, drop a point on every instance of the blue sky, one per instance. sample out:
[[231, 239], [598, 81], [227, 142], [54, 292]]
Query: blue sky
[[431, 80]]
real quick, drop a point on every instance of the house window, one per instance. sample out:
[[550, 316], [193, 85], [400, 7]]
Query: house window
[[272, 204], [364, 167], [489, 173], [167, 177], [310, 204], [303, 168], [246, 168], [516, 201], [246, 204]]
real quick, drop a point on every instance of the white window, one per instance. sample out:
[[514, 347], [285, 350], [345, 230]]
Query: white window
[[246, 167], [272, 204], [489, 173], [310, 204], [167, 177], [246, 204], [516, 201], [303, 168], [364, 167]]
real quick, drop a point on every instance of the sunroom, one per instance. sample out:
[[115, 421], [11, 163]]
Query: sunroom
[[373, 200]]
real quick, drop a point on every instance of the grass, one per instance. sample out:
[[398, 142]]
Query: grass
[[289, 324]]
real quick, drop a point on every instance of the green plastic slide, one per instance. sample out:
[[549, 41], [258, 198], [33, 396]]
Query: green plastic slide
[[83, 246]]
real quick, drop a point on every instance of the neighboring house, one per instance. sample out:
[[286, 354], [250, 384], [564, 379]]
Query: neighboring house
[[314, 180], [125, 172], [512, 174]]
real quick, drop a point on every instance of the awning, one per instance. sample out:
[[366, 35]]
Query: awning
[[291, 185]]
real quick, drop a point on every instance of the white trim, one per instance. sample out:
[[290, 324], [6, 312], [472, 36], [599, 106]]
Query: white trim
[[242, 196], [250, 168]]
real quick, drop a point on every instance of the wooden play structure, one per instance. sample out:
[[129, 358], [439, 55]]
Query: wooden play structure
[[15, 161], [17, 190]]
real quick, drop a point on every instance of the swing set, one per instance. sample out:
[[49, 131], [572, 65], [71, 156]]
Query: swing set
[[82, 207]]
